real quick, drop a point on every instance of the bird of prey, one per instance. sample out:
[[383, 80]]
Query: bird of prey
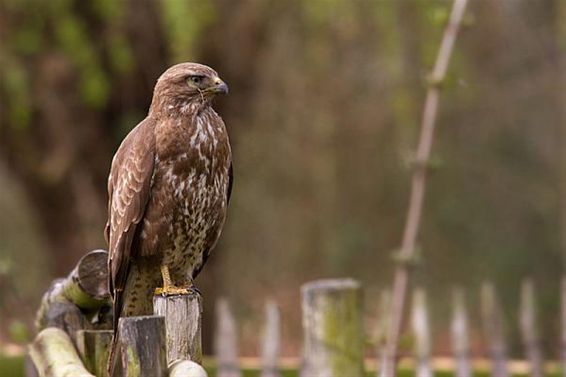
[[169, 187]]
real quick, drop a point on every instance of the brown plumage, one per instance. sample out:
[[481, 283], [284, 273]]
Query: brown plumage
[[169, 187]]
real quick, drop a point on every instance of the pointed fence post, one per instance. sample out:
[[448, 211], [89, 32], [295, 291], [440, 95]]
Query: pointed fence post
[[182, 325], [271, 341], [332, 328], [460, 336], [421, 331], [529, 333], [493, 329], [225, 343]]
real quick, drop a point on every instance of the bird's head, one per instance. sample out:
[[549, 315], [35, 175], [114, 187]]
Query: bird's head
[[185, 85]]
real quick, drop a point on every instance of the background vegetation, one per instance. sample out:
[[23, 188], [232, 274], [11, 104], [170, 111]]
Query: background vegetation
[[323, 114]]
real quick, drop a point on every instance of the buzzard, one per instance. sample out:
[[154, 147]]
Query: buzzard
[[169, 187]]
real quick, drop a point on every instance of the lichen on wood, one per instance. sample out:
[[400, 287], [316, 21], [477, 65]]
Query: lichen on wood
[[333, 328], [141, 342], [93, 347], [54, 355]]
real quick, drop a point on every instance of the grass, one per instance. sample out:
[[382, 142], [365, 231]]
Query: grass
[[11, 366]]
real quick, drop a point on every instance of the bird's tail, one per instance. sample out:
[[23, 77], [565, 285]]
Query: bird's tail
[[117, 309], [127, 302]]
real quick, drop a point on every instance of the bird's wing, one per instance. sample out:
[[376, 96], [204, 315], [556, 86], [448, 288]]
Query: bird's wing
[[129, 186]]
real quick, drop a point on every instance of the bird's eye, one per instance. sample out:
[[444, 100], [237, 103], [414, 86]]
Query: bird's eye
[[196, 79]]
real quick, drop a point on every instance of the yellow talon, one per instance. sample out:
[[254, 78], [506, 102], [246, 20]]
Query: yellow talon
[[168, 288]]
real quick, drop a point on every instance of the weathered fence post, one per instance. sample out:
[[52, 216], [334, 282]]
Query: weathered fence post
[[529, 333], [460, 336], [384, 322], [333, 328], [141, 347], [93, 347], [421, 331], [54, 354], [225, 341], [271, 341], [182, 325], [493, 330]]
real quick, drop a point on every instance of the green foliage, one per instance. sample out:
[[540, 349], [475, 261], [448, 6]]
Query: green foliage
[[186, 21], [16, 87], [121, 56], [73, 39], [28, 39]]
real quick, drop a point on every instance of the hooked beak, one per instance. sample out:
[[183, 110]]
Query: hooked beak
[[219, 87]]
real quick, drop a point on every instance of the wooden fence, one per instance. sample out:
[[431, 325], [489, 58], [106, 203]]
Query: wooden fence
[[74, 332]]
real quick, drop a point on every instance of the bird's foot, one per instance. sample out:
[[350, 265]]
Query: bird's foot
[[173, 290]]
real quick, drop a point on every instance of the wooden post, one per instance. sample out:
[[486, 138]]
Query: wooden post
[[493, 329], [529, 333], [54, 355], [93, 347], [87, 285], [381, 334], [421, 331], [186, 368], [225, 341], [141, 347], [182, 325], [68, 302], [460, 336], [333, 328], [271, 341]]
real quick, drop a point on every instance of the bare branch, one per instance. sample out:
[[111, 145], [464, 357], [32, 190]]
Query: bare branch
[[418, 186]]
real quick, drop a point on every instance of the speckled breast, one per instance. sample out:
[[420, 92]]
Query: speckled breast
[[197, 221]]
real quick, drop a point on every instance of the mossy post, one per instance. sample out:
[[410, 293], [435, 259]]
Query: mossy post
[[93, 347], [69, 302], [87, 285], [182, 325], [141, 347], [332, 328]]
